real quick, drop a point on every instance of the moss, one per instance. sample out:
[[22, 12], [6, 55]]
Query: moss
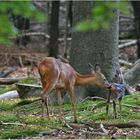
[[7, 88], [29, 80]]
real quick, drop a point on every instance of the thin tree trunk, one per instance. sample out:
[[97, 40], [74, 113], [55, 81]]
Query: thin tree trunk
[[54, 29], [66, 29], [136, 8], [23, 24]]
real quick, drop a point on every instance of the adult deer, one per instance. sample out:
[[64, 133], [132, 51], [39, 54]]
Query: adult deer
[[59, 75]]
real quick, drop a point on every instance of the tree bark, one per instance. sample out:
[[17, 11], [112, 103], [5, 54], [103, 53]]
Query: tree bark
[[9, 95], [54, 29], [133, 75], [23, 24], [28, 90], [9, 81], [68, 18], [94, 46], [136, 8], [119, 125]]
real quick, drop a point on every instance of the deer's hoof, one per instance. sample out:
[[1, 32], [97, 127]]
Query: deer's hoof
[[115, 117]]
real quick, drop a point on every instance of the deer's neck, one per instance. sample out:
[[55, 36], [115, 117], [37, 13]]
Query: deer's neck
[[84, 79]]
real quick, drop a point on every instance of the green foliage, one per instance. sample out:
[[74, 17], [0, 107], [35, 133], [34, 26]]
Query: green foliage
[[102, 13], [17, 8]]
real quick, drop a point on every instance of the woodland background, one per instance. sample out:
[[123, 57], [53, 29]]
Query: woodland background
[[82, 32]]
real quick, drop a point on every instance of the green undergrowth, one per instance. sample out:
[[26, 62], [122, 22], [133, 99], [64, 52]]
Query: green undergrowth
[[28, 112], [7, 88]]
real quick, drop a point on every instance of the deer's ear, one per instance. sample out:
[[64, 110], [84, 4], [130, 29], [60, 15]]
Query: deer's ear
[[117, 72], [91, 68], [97, 68]]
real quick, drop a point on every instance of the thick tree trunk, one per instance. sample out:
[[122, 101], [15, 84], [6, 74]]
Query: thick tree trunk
[[136, 8], [95, 47], [54, 29]]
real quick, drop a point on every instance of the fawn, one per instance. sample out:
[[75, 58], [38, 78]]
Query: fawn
[[116, 92]]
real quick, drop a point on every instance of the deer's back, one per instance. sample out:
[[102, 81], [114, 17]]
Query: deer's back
[[51, 68]]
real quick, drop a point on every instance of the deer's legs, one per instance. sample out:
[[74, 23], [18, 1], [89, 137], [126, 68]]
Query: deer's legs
[[44, 96], [114, 109], [58, 92], [120, 106], [45, 102], [107, 104], [42, 108], [72, 100]]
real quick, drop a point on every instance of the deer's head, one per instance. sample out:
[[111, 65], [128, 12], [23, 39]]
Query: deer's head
[[100, 79]]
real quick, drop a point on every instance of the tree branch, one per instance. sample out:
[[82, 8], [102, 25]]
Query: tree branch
[[119, 125], [34, 34], [128, 44], [40, 34], [8, 81], [19, 124], [133, 107], [125, 63]]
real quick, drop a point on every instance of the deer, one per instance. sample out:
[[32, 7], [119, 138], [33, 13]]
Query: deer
[[116, 92], [59, 75]]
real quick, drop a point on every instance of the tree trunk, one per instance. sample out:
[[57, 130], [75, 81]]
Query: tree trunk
[[94, 47], [9, 81], [23, 24], [54, 29], [136, 8], [133, 75], [68, 18]]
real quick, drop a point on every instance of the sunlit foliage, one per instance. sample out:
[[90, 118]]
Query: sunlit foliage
[[102, 13], [18, 8]]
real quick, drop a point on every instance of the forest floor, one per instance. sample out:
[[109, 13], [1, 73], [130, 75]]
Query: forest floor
[[22, 119]]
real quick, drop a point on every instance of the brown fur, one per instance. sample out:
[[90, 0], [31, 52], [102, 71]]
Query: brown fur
[[59, 75]]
